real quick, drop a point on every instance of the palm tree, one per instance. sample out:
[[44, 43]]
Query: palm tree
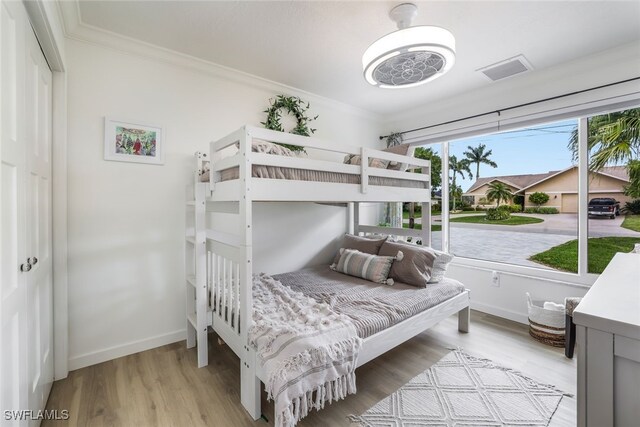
[[633, 189], [478, 155], [613, 138], [458, 167], [498, 191], [456, 193]]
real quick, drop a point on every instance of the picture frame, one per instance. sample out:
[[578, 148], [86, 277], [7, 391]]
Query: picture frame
[[133, 142]]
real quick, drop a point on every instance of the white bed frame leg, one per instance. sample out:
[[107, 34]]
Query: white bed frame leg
[[250, 386], [203, 350], [464, 317], [191, 308], [200, 251], [249, 382]]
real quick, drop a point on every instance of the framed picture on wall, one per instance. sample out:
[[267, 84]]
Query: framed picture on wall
[[133, 142]]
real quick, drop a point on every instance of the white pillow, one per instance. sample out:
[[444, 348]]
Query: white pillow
[[440, 266]]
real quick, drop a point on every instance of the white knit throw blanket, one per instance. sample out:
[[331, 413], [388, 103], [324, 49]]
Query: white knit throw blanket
[[308, 352]]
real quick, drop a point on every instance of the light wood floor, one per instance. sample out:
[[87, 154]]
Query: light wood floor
[[164, 387]]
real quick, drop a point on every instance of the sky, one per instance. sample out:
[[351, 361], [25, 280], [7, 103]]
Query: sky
[[536, 149]]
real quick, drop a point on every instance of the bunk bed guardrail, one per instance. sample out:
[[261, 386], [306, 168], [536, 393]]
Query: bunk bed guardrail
[[223, 158]]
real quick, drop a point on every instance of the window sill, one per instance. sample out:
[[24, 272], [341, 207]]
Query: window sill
[[560, 277]]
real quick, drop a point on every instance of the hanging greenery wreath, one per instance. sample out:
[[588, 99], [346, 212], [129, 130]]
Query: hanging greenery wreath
[[291, 105]]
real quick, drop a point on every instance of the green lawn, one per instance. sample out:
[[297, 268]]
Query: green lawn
[[601, 250], [405, 214], [632, 222], [481, 219], [434, 227]]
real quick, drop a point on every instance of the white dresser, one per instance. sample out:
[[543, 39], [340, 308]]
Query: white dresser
[[608, 338]]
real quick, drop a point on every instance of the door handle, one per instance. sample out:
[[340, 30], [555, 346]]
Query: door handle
[[32, 261], [25, 267]]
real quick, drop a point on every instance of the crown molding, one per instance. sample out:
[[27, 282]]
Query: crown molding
[[77, 30], [43, 25], [69, 12]]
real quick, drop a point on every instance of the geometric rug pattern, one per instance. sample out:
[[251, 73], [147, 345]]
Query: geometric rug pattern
[[462, 390]]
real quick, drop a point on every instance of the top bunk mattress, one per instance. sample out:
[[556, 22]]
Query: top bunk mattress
[[372, 307], [277, 172]]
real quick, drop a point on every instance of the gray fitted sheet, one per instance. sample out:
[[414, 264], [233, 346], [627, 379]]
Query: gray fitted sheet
[[372, 307]]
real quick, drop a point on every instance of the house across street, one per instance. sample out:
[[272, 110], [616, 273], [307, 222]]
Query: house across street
[[561, 186]]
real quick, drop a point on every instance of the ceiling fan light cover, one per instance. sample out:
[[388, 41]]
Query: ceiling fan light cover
[[409, 57]]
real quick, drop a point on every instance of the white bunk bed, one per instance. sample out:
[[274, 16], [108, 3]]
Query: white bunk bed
[[219, 264]]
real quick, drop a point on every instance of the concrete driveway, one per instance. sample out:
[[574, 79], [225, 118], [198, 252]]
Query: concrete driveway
[[563, 224], [500, 246], [514, 244]]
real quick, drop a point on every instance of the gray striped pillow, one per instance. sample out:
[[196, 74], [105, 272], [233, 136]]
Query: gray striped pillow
[[366, 266]]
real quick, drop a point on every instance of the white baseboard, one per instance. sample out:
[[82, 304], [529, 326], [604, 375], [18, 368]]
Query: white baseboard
[[500, 312], [114, 352]]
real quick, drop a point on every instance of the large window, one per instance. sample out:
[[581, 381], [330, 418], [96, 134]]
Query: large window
[[521, 197], [513, 195], [613, 197]]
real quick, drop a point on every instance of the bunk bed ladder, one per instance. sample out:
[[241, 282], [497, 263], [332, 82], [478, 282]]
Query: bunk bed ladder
[[198, 318]]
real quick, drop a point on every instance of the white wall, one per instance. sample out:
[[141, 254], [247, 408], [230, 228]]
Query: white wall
[[318, 231], [508, 300], [126, 220]]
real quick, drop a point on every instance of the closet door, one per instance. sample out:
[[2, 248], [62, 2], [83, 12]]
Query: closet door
[[13, 246], [38, 234], [26, 304]]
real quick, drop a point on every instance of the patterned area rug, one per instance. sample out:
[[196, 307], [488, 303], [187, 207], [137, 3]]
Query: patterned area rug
[[461, 390]]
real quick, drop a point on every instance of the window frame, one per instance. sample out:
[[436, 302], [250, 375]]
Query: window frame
[[581, 114]]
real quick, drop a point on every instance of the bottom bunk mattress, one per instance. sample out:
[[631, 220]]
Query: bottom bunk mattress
[[371, 306]]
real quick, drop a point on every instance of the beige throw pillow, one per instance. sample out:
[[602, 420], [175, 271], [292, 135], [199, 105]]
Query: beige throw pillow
[[266, 147], [416, 266], [403, 150], [354, 159]]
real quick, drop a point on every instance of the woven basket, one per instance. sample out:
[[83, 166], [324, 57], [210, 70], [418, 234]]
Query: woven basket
[[546, 326]]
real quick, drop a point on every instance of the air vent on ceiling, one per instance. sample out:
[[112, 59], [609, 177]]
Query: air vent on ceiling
[[507, 68]]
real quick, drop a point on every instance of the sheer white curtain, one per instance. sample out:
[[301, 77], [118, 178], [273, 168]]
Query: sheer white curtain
[[393, 211], [394, 214]]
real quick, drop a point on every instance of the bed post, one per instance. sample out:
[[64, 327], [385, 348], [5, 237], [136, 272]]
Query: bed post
[[364, 170], [356, 218], [200, 252], [196, 269], [249, 382], [350, 219], [464, 317], [426, 211]]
